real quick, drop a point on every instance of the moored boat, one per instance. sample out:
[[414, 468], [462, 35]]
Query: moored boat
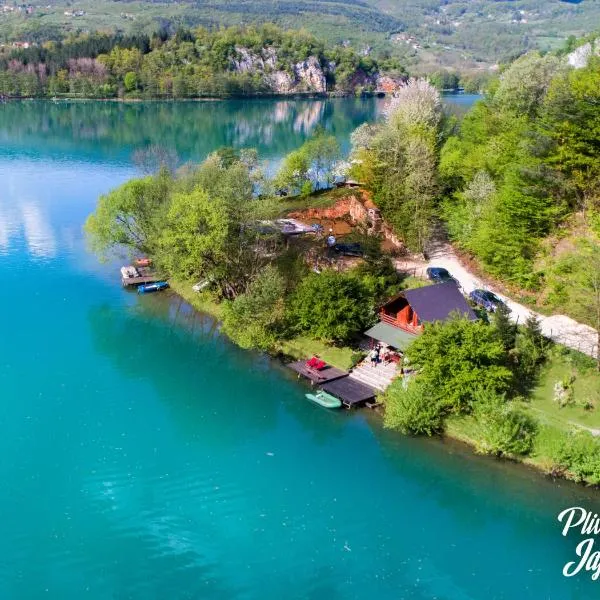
[[324, 399], [157, 286]]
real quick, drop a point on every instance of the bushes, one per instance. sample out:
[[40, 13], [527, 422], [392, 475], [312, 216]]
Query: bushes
[[502, 428], [455, 359], [578, 456], [331, 306], [412, 409], [252, 319]]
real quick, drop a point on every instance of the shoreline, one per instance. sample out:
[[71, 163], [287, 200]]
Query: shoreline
[[453, 432]]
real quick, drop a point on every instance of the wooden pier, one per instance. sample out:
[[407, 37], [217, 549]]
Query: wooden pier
[[145, 275], [325, 375], [351, 392]]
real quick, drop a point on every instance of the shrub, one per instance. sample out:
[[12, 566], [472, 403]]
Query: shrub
[[412, 408], [578, 456], [252, 319], [331, 306], [502, 428], [456, 358]]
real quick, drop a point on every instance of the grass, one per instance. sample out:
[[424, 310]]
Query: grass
[[323, 199], [585, 388], [303, 347]]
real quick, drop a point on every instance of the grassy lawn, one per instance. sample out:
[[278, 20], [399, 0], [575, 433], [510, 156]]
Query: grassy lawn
[[302, 347], [585, 389], [323, 199]]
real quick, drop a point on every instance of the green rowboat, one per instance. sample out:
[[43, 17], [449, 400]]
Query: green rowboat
[[324, 399]]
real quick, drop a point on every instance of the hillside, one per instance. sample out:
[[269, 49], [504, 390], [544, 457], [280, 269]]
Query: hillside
[[425, 34], [228, 62]]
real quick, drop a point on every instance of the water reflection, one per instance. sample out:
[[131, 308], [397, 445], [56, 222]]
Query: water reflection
[[38, 232], [113, 130]]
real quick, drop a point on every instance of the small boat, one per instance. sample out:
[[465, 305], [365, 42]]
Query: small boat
[[152, 287], [324, 399], [142, 262]]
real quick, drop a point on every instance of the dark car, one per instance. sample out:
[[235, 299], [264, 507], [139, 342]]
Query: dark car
[[486, 299], [439, 275], [349, 249]]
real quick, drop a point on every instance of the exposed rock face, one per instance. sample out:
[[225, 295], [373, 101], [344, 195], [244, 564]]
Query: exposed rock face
[[580, 57], [310, 75], [360, 210], [307, 76], [388, 85]]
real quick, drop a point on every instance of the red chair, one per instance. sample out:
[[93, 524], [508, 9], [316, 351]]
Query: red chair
[[316, 363]]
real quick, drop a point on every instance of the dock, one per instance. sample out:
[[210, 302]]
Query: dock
[[145, 275], [325, 375], [351, 392]]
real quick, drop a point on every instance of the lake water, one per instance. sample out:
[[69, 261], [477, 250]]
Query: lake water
[[144, 457]]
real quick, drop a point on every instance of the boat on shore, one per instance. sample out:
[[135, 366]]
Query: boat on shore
[[324, 399], [148, 288]]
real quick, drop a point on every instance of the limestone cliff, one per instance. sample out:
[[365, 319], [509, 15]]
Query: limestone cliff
[[580, 57], [307, 76]]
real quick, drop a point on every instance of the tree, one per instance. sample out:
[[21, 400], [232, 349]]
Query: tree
[[331, 306], [194, 237], [130, 217], [458, 358], [505, 328], [130, 81], [310, 165], [253, 319], [397, 160]]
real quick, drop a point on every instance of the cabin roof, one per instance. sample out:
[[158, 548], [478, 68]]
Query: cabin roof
[[437, 302], [390, 335]]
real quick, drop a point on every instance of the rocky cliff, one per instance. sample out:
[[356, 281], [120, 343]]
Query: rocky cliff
[[580, 57], [307, 76]]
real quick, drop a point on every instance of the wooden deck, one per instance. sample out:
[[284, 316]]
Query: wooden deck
[[127, 281], [325, 375], [351, 392], [146, 276]]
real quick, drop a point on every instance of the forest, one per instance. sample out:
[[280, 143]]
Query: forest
[[238, 61], [426, 35]]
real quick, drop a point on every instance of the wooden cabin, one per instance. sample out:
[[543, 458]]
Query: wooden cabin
[[411, 309]]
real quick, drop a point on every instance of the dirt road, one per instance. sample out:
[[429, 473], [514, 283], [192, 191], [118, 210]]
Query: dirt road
[[560, 328]]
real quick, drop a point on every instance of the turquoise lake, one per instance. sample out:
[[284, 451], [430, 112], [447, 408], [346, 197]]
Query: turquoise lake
[[144, 457]]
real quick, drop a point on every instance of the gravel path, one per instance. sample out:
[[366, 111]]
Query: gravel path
[[560, 328]]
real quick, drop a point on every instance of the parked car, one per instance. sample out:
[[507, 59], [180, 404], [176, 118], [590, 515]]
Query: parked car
[[349, 249], [439, 275], [486, 299]]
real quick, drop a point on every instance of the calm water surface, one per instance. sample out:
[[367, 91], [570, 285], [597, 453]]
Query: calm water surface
[[143, 457]]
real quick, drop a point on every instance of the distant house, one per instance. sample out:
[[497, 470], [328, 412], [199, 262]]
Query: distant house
[[411, 309]]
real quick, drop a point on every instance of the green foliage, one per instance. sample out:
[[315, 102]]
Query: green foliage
[[254, 318], [413, 409], [501, 428], [578, 455], [305, 169], [531, 351], [458, 358], [130, 217], [235, 61], [331, 306], [398, 161], [505, 328], [523, 160]]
